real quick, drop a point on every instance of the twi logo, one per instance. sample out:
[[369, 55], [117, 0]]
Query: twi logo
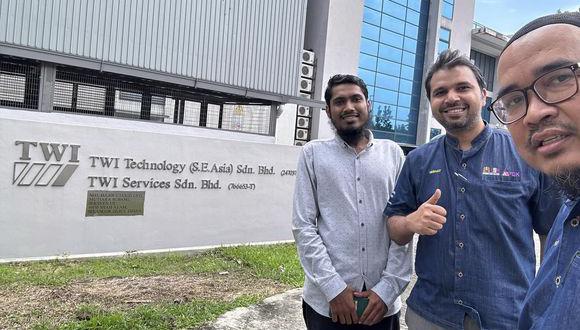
[[53, 170]]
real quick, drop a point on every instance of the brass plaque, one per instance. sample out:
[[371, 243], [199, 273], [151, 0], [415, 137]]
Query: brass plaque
[[114, 203]]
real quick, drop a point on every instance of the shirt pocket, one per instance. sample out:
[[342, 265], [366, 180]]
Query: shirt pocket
[[506, 199]]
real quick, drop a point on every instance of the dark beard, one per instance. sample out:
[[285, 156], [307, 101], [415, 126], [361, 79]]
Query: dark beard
[[351, 135], [568, 181]]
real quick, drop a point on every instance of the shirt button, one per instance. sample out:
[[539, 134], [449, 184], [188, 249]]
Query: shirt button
[[574, 223], [460, 244], [556, 242], [460, 274], [360, 201], [363, 249], [362, 224], [460, 302], [357, 179], [464, 165], [462, 216], [557, 280], [357, 157], [462, 189]]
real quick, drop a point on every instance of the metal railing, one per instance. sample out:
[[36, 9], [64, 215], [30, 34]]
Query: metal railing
[[77, 90]]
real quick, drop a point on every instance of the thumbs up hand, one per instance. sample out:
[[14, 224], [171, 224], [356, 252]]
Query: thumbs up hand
[[429, 217]]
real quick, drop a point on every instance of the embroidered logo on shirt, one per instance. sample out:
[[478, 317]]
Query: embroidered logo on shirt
[[435, 171], [494, 171]]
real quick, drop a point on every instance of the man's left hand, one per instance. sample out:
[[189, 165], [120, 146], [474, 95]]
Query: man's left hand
[[376, 309]]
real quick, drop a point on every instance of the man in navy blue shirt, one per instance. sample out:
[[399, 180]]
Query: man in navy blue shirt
[[474, 203], [540, 103]]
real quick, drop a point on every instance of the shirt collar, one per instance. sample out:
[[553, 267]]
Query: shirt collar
[[367, 133], [479, 140]]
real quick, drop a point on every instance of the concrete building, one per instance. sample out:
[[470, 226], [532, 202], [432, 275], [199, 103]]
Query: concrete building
[[157, 125]]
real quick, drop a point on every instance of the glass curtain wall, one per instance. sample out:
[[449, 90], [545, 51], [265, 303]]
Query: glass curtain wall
[[391, 63]]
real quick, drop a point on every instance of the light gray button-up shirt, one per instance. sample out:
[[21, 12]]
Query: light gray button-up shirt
[[338, 222]]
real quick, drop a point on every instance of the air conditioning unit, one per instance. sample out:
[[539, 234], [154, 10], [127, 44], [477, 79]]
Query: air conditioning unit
[[306, 95], [303, 122], [306, 70], [307, 57], [301, 134], [303, 111], [305, 85], [299, 143]]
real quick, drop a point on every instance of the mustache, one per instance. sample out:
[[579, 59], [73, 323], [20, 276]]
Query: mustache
[[348, 113], [549, 123]]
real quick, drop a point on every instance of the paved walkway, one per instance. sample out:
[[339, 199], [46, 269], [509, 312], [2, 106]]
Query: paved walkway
[[284, 311]]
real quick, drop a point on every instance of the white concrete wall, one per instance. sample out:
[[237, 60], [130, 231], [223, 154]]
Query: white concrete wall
[[286, 124], [337, 50], [461, 25], [43, 221]]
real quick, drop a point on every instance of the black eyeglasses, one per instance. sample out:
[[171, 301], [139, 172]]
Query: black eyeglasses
[[552, 87]]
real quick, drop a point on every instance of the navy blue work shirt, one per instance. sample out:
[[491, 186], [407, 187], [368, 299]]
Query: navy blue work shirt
[[552, 301], [482, 262]]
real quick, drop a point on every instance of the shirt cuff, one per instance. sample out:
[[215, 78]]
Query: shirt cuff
[[387, 294], [333, 287]]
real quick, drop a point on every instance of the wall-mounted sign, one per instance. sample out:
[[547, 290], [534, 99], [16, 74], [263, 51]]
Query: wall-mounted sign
[[111, 203]]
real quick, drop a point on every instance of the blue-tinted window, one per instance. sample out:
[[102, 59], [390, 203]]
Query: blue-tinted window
[[444, 37], [403, 113], [413, 16], [411, 30], [391, 38], [367, 75], [444, 34], [447, 10], [408, 59], [388, 67], [383, 117], [368, 62], [410, 45], [386, 81], [402, 127], [442, 46], [371, 90], [374, 4], [393, 24], [385, 96], [415, 4], [407, 72], [404, 100], [372, 16], [393, 9], [390, 53], [401, 2], [370, 31], [368, 46], [406, 86]]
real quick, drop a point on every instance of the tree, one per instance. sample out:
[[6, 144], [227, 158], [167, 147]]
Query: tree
[[382, 120]]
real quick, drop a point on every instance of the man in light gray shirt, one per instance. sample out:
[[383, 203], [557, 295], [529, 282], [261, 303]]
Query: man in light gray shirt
[[342, 186]]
